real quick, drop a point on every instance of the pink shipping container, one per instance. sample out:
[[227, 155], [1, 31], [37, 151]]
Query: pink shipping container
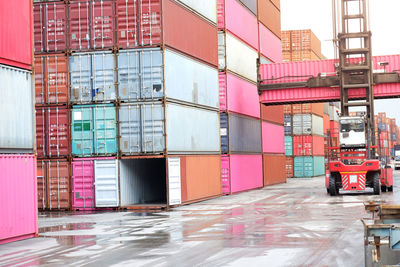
[[270, 44], [16, 33], [245, 172], [238, 20], [273, 138], [308, 145], [18, 204], [238, 95], [91, 24], [307, 68], [50, 27]]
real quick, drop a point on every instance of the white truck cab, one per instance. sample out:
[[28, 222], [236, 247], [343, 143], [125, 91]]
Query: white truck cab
[[397, 159], [352, 132]]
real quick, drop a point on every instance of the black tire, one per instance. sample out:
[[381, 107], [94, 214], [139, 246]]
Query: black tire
[[383, 188], [390, 188], [327, 190], [332, 186], [377, 183]]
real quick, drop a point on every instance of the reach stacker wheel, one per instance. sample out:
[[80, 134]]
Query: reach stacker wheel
[[377, 184]]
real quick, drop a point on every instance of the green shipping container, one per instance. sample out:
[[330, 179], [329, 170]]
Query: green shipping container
[[308, 166], [288, 146], [94, 130]]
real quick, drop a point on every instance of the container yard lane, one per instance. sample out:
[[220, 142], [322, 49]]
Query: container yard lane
[[292, 224]]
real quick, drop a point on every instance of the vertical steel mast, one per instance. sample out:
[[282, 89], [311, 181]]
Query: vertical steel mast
[[355, 67]]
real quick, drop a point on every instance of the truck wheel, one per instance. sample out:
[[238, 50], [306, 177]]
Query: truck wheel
[[332, 186], [377, 184], [390, 188], [327, 190], [383, 188]]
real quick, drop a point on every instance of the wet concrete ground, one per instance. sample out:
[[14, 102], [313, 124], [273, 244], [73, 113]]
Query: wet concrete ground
[[294, 224]]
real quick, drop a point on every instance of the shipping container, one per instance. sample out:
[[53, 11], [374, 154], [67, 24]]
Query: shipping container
[[287, 109], [308, 124], [205, 8], [17, 111], [273, 138], [91, 25], [238, 20], [334, 129], [308, 145], [240, 134], [289, 167], [272, 114], [54, 188], [16, 33], [288, 145], [274, 169], [251, 5], [238, 95], [303, 55], [288, 124], [50, 27], [153, 74], [92, 77], [277, 3], [309, 166], [270, 44], [51, 79], [94, 183], [312, 108], [236, 56], [245, 173], [305, 40], [326, 123], [93, 130], [153, 23], [18, 197], [270, 16], [52, 131]]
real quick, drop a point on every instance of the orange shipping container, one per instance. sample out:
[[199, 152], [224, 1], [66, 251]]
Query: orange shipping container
[[286, 56], [304, 55], [315, 108], [287, 109], [286, 44], [200, 177], [272, 114], [274, 169], [305, 40], [276, 3], [326, 123], [270, 16]]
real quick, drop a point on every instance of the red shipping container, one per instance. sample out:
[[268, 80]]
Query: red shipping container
[[51, 79], [55, 178], [308, 145], [53, 134], [289, 167], [274, 169], [16, 33], [50, 27], [157, 22], [91, 25], [334, 128], [272, 114]]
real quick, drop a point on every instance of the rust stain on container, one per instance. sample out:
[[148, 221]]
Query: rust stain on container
[[274, 169], [270, 16], [272, 114], [200, 177]]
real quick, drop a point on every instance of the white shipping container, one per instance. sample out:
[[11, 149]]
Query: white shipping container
[[206, 8], [106, 183], [191, 129], [236, 56], [334, 113], [17, 111], [308, 124]]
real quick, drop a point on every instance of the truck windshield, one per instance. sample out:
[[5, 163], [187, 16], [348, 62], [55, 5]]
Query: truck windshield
[[397, 158], [351, 125]]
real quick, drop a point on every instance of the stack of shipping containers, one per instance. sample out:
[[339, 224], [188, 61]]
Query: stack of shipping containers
[[386, 135], [18, 206], [300, 45], [247, 30]]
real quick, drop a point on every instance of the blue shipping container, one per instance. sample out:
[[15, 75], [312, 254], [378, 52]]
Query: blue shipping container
[[288, 124], [288, 146], [94, 130], [309, 166]]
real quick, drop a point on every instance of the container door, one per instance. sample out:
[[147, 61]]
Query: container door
[[106, 183], [151, 73], [298, 167], [105, 130], [58, 132], [150, 22], [129, 129], [224, 130], [103, 83], [40, 91], [221, 51], [102, 19], [129, 75], [82, 131], [225, 175], [127, 23], [58, 185], [80, 74], [307, 124], [38, 28], [308, 166], [57, 79], [83, 184], [152, 128], [79, 25], [56, 27]]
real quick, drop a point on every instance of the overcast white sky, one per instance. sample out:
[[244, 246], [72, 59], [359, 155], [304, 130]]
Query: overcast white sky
[[317, 16]]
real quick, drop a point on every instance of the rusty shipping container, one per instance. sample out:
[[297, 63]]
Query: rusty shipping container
[[52, 131], [157, 22], [272, 114], [274, 169], [270, 16], [50, 27], [54, 188], [51, 79]]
